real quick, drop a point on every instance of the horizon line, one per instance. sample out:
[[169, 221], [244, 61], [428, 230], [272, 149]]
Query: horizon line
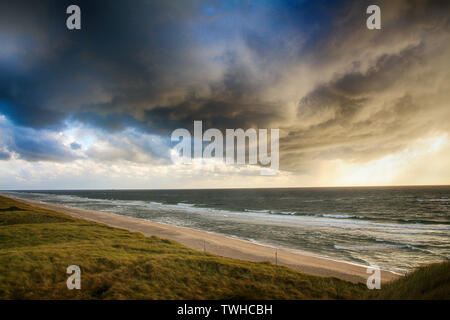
[[237, 188]]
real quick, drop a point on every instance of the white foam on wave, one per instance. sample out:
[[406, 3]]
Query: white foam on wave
[[289, 213], [250, 216], [371, 247], [340, 216], [443, 199], [257, 211]]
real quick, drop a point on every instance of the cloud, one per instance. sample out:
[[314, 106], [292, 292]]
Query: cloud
[[4, 154], [154, 55], [311, 68], [130, 146], [75, 146], [33, 145], [379, 102]]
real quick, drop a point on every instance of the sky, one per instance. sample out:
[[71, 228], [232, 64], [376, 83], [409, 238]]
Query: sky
[[95, 108]]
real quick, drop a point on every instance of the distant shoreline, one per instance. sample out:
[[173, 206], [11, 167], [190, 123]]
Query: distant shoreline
[[221, 245]]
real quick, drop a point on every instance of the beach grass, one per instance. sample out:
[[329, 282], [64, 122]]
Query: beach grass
[[37, 246], [428, 282]]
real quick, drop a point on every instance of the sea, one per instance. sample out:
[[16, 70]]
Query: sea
[[395, 228]]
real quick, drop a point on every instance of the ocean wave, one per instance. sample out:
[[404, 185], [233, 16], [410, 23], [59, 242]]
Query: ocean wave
[[340, 216], [257, 211], [289, 213], [422, 221], [185, 204], [385, 246], [443, 199], [265, 216], [389, 245]]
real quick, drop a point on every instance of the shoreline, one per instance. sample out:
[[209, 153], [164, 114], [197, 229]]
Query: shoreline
[[222, 245]]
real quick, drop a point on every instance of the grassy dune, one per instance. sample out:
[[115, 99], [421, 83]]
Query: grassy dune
[[37, 245], [429, 282]]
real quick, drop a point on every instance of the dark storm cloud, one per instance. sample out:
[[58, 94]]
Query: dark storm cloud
[[32, 148], [128, 58], [155, 66], [4, 155], [348, 95], [353, 116], [375, 107], [32, 145], [68, 72]]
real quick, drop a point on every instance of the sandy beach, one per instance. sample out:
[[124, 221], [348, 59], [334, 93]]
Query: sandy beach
[[222, 245]]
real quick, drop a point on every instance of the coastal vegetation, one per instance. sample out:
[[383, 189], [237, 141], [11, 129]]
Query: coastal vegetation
[[37, 246]]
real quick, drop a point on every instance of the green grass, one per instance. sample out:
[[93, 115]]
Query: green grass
[[37, 245], [428, 282]]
